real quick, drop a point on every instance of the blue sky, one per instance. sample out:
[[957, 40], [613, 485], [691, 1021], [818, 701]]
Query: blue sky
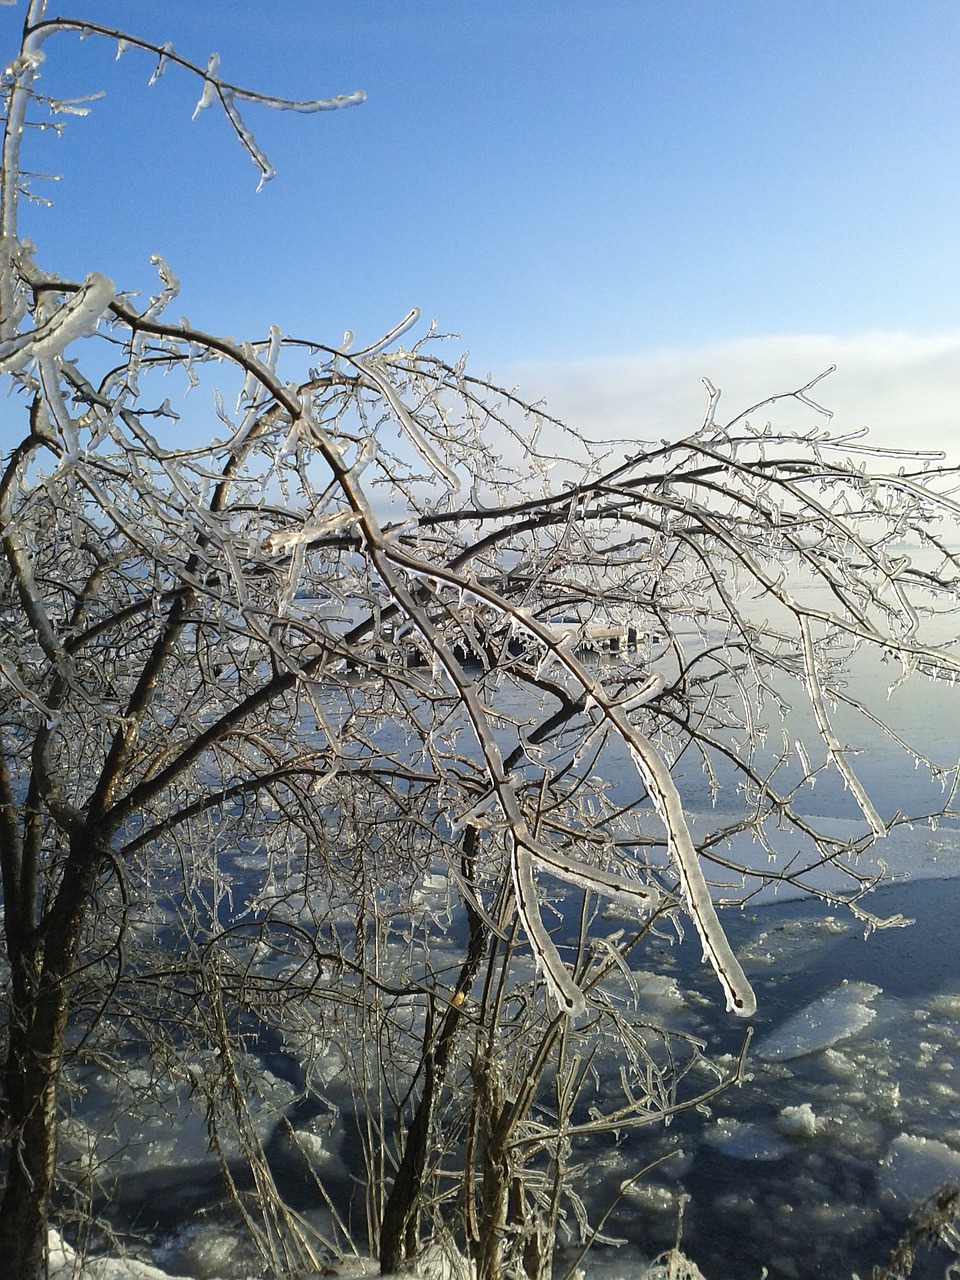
[[606, 200]]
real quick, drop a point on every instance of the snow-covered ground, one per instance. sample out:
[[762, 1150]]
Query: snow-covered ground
[[65, 1265]]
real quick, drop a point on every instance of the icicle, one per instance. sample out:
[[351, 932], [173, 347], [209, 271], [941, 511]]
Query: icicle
[[413, 432], [294, 574], [274, 344], [290, 441], [209, 95], [252, 386], [193, 351], [162, 61]]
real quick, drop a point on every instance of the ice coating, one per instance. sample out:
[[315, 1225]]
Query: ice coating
[[562, 987], [77, 318], [209, 95]]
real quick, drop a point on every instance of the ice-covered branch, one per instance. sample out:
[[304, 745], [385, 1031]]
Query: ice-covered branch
[[837, 752], [78, 317], [215, 89]]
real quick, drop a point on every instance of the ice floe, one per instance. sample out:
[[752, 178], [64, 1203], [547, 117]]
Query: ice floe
[[824, 1022], [916, 1167]]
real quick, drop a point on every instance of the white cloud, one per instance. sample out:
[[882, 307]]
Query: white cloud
[[905, 388]]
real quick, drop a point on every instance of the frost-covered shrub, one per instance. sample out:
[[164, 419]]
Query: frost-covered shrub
[[306, 741]]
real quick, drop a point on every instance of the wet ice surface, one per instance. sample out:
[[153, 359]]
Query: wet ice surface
[[809, 1168]]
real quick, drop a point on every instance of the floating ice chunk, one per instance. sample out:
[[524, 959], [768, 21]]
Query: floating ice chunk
[[916, 1167], [947, 1004], [836, 1016], [842, 1067], [746, 1141], [660, 990], [799, 1122], [206, 1248], [314, 1147]]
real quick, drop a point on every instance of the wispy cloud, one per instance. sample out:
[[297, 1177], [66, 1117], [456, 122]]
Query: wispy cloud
[[904, 388]]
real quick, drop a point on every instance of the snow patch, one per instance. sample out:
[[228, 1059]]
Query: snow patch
[[64, 1265]]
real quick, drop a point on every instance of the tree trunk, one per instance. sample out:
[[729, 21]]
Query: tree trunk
[[32, 1158], [34, 1056], [39, 1008], [399, 1237]]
